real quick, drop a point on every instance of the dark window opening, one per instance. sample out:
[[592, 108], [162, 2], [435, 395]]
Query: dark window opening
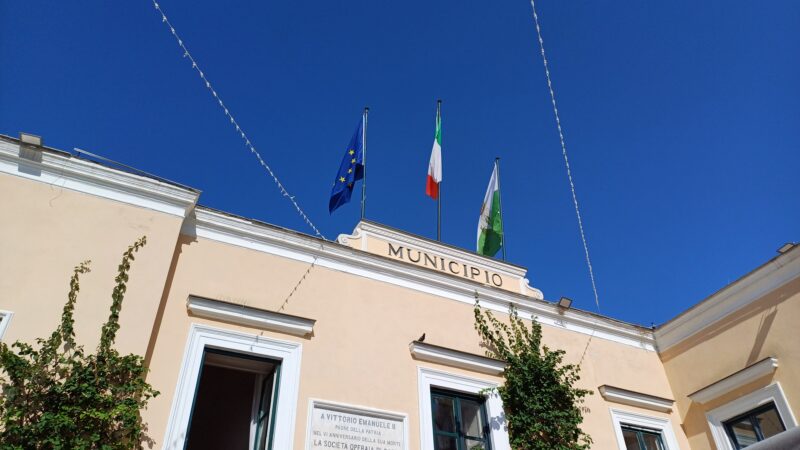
[[754, 426], [235, 398], [459, 421], [638, 438]]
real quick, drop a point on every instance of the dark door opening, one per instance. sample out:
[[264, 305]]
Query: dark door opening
[[234, 402]]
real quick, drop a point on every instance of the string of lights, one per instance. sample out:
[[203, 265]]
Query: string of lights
[[566, 162], [234, 123]]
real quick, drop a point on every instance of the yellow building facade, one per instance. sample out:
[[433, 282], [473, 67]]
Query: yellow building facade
[[261, 337]]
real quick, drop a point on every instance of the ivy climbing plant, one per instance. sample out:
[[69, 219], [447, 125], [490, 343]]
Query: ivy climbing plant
[[55, 395], [541, 403]]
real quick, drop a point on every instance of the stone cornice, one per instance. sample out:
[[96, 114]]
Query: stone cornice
[[221, 227], [69, 172], [246, 315], [737, 295], [736, 380], [633, 398], [456, 358]]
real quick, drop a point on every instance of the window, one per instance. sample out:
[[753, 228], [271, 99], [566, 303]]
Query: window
[[767, 404], [642, 432], [5, 318], [637, 438], [754, 426], [462, 389], [203, 340], [233, 404], [459, 422]]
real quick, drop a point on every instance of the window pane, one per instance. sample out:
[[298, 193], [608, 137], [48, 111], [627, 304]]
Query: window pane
[[769, 422], [631, 441], [471, 418], [443, 417], [445, 443], [652, 441], [475, 445], [743, 432]]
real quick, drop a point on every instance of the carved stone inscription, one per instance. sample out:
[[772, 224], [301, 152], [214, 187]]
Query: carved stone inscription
[[339, 428], [465, 270]]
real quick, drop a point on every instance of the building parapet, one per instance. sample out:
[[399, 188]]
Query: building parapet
[[64, 170]]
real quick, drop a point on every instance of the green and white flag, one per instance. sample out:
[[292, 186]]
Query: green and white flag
[[490, 224]]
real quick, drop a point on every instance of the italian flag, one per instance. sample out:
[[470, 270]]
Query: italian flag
[[490, 224], [435, 164]]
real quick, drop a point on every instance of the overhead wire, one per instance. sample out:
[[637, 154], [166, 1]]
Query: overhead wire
[[566, 163], [195, 66]]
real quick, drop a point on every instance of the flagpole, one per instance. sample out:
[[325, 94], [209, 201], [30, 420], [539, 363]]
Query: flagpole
[[439, 197], [364, 163], [500, 203]]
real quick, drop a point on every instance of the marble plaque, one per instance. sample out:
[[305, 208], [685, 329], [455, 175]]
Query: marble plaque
[[336, 426]]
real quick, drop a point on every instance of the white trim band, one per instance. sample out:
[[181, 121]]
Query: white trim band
[[748, 374], [450, 357], [68, 172], [737, 295], [249, 316], [221, 227], [632, 398]]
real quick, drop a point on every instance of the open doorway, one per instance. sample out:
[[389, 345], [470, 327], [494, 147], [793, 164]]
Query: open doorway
[[234, 402]]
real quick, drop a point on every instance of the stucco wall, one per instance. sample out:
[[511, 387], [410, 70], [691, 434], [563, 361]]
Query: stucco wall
[[359, 352], [46, 231], [767, 327]]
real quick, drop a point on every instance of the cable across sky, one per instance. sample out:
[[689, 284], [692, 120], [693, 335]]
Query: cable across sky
[[284, 192]]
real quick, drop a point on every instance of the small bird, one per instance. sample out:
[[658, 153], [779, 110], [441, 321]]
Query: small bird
[[421, 338]]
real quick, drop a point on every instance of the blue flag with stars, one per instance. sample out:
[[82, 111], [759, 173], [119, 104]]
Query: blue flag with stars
[[350, 171]]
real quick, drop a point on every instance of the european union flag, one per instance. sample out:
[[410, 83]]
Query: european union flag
[[350, 171]]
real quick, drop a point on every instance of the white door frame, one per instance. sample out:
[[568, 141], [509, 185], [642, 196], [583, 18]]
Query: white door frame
[[203, 336]]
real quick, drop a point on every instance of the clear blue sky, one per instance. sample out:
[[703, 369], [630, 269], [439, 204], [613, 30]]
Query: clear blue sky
[[681, 119]]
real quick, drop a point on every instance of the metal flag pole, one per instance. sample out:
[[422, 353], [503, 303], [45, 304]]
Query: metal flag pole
[[364, 163], [439, 197], [500, 204]]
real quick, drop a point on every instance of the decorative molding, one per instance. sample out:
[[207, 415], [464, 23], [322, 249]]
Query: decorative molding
[[258, 236], [456, 358], [772, 393], [632, 398], [202, 336], [448, 252], [249, 316], [662, 425], [70, 172], [427, 378], [353, 409], [392, 234], [736, 380], [5, 321], [737, 295]]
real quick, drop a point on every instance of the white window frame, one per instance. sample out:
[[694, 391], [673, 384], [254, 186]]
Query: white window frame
[[662, 425], [203, 336], [6, 315], [430, 378], [772, 393]]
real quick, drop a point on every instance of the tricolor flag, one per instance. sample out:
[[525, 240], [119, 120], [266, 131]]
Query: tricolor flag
[[435, 164], [490, 223]]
